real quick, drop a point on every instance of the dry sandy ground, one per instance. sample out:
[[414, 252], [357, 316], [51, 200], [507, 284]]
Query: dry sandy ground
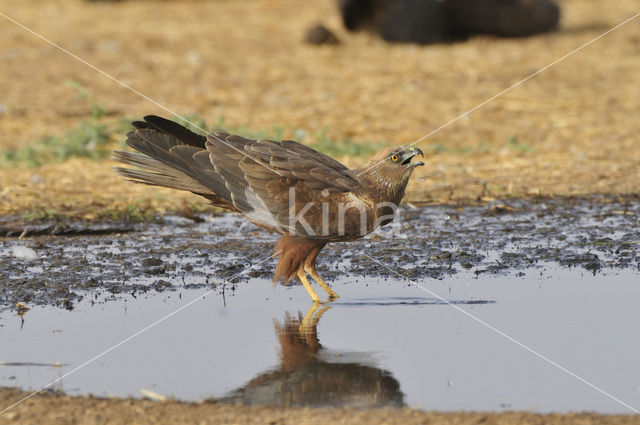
[[576, 122], [54, 410]]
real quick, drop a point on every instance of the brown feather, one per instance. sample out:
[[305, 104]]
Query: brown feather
[[292, 253], [255, 178]]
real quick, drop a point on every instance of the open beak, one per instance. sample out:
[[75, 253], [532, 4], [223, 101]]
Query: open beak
[[410, 153]]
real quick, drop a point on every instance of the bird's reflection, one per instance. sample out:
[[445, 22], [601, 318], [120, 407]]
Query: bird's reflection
[[310, 375]]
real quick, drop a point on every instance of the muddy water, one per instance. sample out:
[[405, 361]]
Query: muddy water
[[561, 277]]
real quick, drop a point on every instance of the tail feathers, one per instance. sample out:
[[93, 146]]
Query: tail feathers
[[166, 160], [172, 128], [170, 153], [156, 145], [154, 172]]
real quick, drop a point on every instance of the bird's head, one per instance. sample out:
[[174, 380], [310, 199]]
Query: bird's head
[[391, 168]]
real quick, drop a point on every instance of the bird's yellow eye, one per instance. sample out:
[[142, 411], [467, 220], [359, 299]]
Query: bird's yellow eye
[[394, 157]]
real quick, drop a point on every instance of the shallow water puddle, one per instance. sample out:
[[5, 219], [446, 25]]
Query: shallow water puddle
[[384, 342]]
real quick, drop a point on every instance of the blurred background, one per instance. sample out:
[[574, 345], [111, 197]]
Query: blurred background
[[292, 69]]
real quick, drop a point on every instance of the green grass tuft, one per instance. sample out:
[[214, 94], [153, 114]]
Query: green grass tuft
[[516, 145], [87, 140], [42, 213]]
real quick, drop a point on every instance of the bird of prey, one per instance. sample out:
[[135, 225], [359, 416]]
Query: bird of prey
[[308, 374], [283, 186]]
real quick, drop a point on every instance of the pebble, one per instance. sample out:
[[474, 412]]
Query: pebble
[[23, 253]]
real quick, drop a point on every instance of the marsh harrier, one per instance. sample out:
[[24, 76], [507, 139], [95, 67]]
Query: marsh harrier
[[285, 187]]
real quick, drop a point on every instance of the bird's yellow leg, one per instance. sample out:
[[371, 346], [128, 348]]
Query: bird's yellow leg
[[303, 278], [309, 315], [312, 317], [310, 321], [314, 274]]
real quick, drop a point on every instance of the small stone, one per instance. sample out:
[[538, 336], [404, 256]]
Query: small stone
[[319, 34], [151, 262], [23, 253]]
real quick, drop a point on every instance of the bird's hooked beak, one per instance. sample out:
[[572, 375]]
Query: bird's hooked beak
[[409, 153]]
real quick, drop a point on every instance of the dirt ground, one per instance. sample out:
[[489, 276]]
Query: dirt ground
[[57, 409], [245, 61]]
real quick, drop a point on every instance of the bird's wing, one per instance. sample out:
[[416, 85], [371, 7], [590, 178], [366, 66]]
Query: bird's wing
[[272, 183], [282, 186]]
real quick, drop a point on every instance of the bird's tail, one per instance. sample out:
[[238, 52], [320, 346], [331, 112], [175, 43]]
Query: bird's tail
[[153, 172], [170, 155]]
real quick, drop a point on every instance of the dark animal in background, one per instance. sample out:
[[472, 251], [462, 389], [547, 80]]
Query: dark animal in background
[[432, 21]]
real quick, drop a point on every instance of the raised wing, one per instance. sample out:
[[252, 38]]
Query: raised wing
[[283, 186]]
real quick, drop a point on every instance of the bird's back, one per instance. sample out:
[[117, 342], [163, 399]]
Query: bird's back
[[283, 186]]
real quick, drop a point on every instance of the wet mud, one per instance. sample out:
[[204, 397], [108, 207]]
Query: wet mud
[[47, 263]]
